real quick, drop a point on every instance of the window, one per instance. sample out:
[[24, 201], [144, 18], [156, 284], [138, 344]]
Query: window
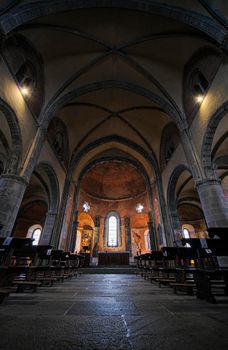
[[198, 83], [112, 230], [34, 232], [186, 233], [36, 236]]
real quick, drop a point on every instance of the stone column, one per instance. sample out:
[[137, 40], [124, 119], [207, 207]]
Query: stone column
[[152, 232], [62, 213], [191, 155], [46, 235], [12, 189], [214, 203], [96, 236], [165, 226], [74, 232], [176, 226], [34, 153], [127, 225]]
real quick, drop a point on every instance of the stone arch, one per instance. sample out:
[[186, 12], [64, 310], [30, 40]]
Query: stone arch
[[58, 137], [85, 219], [148, 159], [53, 195], [184, 203], [169, 139], [98, 160], [15, 153], [199, 72], [171, 197], [4, 153], [24, 14], [54, 185], [27, 66], [171, 110], [206, 150]]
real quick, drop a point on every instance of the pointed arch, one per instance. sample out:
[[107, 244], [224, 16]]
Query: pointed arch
[[206, 150], [51, 110], [15, 154], [28, 12]]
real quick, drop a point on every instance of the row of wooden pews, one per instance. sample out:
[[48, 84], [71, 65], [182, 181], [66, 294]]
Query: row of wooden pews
[[197, 267], [26, 267]]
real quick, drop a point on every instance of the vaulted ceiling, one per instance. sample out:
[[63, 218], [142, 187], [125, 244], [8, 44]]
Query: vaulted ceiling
[[113, 70]]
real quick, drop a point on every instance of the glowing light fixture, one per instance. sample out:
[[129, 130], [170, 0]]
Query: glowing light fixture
[[25, 91], [139, 208], [199, 98], [86, 207]]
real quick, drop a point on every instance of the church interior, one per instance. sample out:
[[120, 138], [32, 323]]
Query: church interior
[[113, 174]]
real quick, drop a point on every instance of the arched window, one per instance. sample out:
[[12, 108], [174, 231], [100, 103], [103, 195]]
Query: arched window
[[34, 232], [112, 230], [36, 236], [26, 77], [198, 83], [186, 233]]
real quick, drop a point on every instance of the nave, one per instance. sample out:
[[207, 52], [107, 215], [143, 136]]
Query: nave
[[111, 311]]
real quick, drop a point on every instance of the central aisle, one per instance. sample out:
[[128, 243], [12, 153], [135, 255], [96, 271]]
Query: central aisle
[[111, 312]]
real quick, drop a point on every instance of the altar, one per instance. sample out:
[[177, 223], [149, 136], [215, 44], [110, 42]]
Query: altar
[[113, 258]]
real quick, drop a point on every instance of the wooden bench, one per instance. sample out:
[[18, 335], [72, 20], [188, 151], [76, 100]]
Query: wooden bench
[[212, 273], [4, 292], [22, 285], [188, 287]]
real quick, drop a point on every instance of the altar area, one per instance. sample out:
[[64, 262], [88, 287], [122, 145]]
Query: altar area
[[113, 258]]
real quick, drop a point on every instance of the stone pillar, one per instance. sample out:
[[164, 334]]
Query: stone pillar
[[127, 225], [62, 213], [96, 236], [152, 232], [214, 203], [176, 226], [12, 189], [74, 232], [34, 153], [165, 227], [191, 155], [46, 236]]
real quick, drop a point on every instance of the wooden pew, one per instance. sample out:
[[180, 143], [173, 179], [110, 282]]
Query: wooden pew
[[148, 264], [186, 264], [8, 270], [212, 274], [24, 268]]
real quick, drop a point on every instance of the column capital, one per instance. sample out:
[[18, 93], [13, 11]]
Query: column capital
[[206, 182], [16, 178]]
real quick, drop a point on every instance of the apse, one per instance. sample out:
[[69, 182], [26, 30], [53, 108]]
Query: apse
[[113, 209]]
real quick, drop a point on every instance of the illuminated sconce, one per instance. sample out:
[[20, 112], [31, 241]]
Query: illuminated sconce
[[25, 91], [199, 98], [86, 207], [139, 208]]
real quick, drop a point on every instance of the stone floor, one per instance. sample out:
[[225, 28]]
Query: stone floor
[[111, 312]]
